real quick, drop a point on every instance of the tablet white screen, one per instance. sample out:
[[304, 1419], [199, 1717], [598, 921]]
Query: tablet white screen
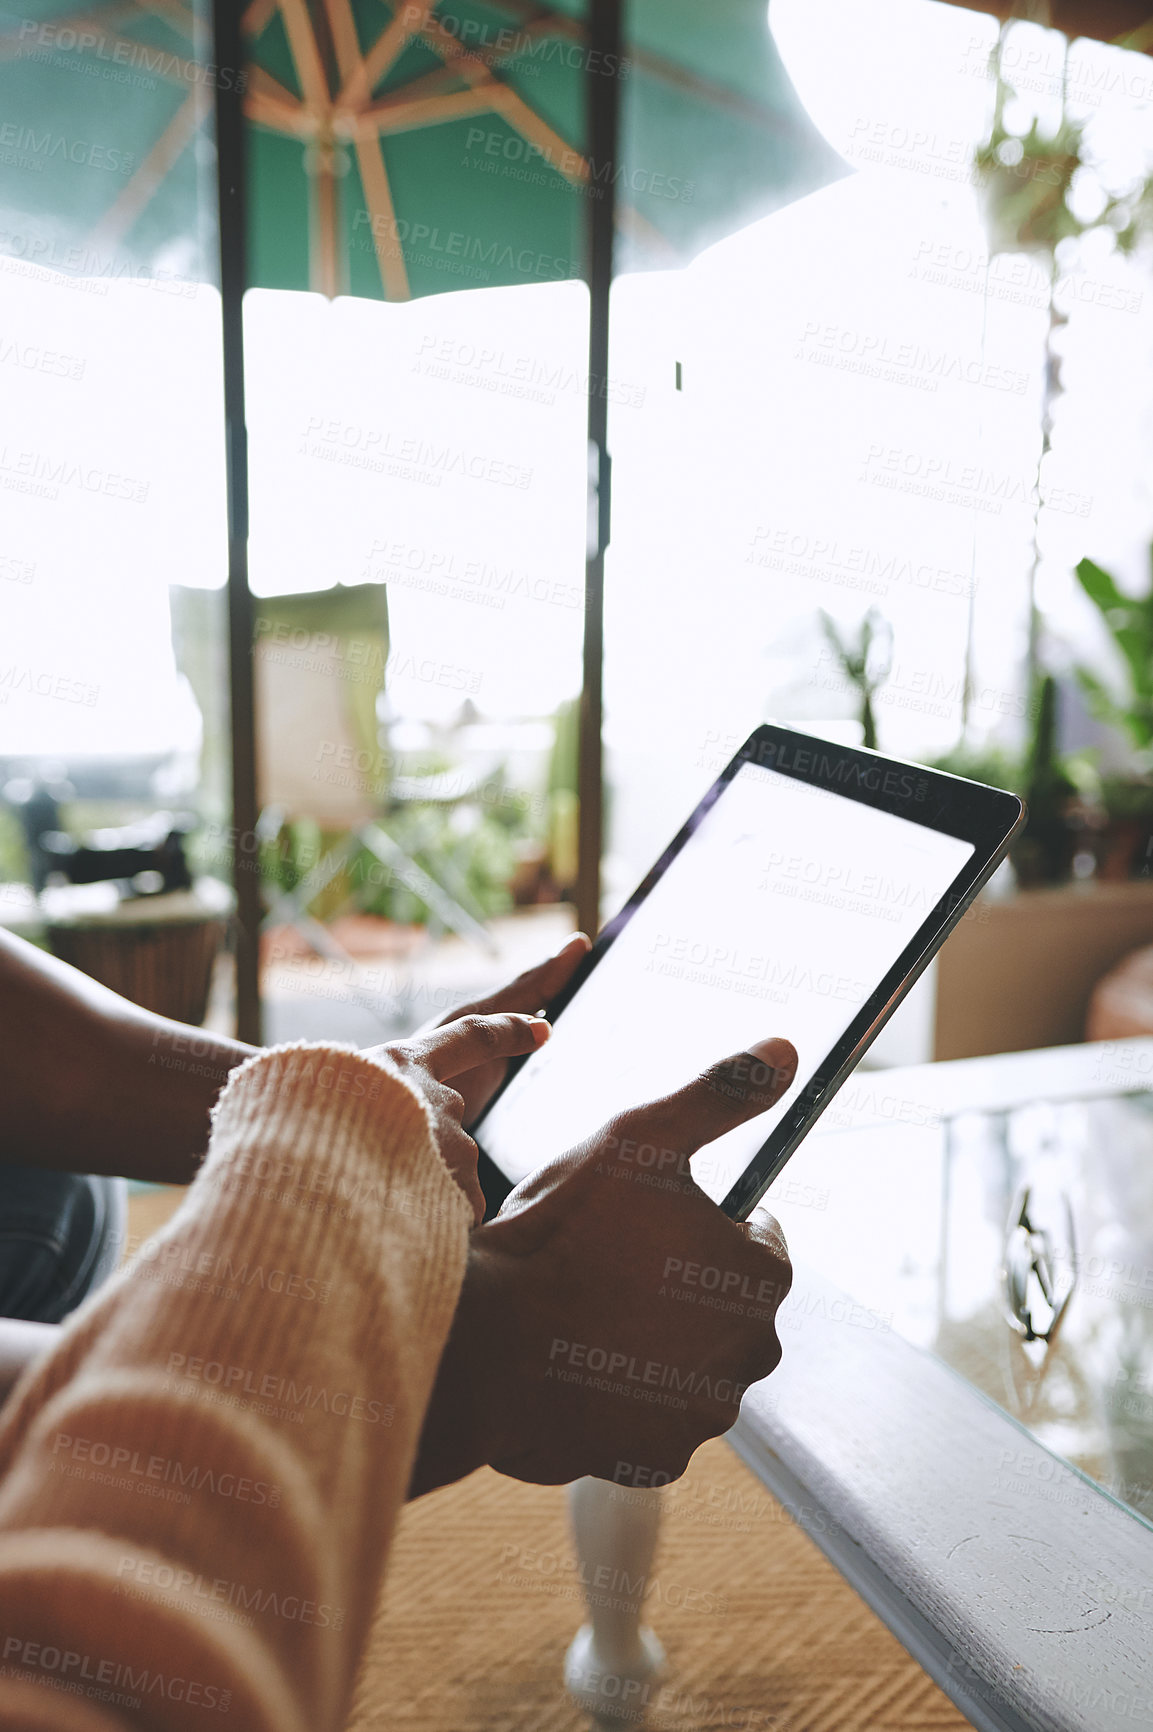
[[780, 916]]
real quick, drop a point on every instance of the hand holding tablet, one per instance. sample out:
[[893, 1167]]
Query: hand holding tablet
[[806, 893], [612, 1317]]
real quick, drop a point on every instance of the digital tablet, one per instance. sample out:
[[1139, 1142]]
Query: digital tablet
[[804, 896]]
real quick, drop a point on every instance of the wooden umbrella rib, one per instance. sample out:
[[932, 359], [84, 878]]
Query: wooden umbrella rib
[[12, 46], [305, 54], [442, 80], [506, 102], [89, 17], [370, 155], [399, 116], [258, 16], [557, 152], [385, 238], [323, 250], [124, 210], [468, 62], [542, 22], [291, 118], [345, 40], [732, 101], [631, 222], [407, 21], [266, 85], [535, 21], [538, 22], [324, 257]]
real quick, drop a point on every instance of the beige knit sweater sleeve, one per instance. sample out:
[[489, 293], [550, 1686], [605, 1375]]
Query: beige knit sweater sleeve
[[200, 1483]]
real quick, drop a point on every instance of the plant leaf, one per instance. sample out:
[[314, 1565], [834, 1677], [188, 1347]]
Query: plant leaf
[[1134, 646], [1099, 586], [1100, 699]]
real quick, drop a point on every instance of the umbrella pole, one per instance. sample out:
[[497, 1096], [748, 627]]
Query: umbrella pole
[[229, 58], [603, 110]]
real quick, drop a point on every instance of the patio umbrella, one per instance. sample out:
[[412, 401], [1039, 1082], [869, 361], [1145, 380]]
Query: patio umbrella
[[394, 150]]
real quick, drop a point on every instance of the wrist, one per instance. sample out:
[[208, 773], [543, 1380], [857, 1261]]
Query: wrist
[[186, 1069], [464, 1424]]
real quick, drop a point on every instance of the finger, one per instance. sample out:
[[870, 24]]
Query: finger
[[470, 1041], [460, 1155], [536, 986], [766, 1230], [726, 1095]]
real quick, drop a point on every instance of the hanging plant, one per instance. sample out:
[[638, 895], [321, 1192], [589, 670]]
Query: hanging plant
[[1023, 185]]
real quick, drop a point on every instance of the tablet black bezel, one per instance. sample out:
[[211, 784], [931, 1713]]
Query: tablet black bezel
[[986, 817]]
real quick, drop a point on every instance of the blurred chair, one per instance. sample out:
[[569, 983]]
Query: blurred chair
[[325, 754]]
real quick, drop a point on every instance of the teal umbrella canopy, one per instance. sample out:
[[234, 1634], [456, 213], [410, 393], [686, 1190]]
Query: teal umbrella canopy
[[708, 94], [395, 150], [106, 159]]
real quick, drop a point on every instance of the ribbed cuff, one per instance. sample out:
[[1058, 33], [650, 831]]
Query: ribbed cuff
[[313, 1142]]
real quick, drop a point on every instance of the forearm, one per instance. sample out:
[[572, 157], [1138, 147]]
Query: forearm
[[95, 1084], [262, 1375]]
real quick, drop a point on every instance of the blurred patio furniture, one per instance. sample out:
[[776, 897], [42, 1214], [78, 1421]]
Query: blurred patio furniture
[[159, 951], [327, 755], [119, 903]]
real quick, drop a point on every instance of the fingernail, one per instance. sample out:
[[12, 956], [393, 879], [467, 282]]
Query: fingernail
[[571, 940], [781, 1054]]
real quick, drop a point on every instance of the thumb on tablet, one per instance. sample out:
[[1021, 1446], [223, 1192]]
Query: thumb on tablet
[[724, 1096]]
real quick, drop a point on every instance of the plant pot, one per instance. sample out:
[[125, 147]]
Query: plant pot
[[1120, 849], [1044, 853]]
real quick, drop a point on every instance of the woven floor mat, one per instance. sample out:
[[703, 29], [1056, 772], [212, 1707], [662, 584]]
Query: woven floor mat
[[761, 1632]]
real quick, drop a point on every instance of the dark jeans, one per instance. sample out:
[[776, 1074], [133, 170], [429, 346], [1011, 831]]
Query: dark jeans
[[61, 1235]]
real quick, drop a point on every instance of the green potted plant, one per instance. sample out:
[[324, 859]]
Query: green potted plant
[[1127, 798], [865, 663], [1058, 790], [1043, 853]]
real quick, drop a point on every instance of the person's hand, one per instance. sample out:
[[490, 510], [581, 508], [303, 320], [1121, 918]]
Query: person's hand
[[441, 1066], [611, 1316], [529, 992]]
